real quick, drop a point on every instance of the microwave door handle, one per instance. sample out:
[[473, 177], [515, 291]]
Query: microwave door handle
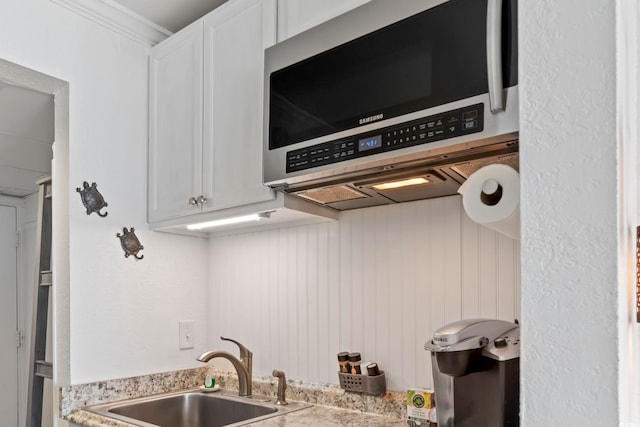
[[494, 55]]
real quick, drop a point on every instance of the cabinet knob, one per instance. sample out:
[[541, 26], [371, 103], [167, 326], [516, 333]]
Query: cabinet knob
[[193, 201], [201, 200]]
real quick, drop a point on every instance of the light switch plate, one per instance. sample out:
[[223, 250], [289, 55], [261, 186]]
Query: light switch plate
[[187, 334]]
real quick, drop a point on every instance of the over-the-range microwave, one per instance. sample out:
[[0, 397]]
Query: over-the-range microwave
[[393, 90]]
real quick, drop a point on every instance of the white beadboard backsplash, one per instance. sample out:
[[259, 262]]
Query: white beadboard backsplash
[[378, 281]]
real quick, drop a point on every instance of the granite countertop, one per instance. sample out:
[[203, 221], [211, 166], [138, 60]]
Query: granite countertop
[[329, 405], [315, 415]]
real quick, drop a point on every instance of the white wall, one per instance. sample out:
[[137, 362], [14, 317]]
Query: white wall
[[570, 209], [378, 281], [123, 313]]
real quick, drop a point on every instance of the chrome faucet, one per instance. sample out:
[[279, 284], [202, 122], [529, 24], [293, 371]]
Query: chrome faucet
[[243, 365]]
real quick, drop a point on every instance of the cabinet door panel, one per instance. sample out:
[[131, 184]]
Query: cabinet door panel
[[296, 16], [175, 124], [235, 39]]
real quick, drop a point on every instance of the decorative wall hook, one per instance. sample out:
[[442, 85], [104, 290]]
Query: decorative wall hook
[[130, 243], [92, 199]]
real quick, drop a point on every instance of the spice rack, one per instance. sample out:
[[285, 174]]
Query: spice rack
[[375, 385]]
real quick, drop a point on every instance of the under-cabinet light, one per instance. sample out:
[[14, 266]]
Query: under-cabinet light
[[227, 221], [399, 184]]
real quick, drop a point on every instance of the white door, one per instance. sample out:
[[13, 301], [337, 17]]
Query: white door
[[8, 318]]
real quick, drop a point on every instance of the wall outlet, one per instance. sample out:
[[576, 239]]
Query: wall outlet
[[187, 334]]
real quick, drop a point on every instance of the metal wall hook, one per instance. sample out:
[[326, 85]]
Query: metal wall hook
[[130, 243], [92, 199]]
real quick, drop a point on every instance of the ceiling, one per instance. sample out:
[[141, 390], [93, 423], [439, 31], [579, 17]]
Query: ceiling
[[26, 135], [171, 14]]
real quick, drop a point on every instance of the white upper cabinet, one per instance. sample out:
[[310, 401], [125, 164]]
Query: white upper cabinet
[[206, 83], [175, 124], [296, 16], [234, 42]]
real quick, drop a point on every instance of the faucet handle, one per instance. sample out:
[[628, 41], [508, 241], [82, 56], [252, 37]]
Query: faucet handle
[[244, 351]]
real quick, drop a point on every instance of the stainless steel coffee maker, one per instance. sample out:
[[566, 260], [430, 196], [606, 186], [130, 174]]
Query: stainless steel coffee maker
[[476, 371]]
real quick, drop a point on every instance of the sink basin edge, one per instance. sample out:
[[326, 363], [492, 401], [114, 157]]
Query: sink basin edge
[[193, 408]]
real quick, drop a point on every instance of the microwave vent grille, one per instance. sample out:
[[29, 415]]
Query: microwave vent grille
[[325, 195], [466, 169]]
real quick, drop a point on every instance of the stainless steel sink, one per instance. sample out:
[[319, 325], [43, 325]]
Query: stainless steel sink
[[193, 409]]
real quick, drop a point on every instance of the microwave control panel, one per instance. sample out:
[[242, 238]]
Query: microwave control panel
[[450, 124]]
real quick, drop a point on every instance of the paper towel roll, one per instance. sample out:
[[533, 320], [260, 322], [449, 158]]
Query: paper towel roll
[[491, 197]]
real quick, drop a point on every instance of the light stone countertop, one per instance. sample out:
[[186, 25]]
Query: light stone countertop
[[314, 415], [327, 416], [330, 405]]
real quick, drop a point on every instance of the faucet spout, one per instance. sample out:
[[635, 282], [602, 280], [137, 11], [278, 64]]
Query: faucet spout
[[244, 377]]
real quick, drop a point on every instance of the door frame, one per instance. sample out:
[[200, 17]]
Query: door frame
[[35, 80]]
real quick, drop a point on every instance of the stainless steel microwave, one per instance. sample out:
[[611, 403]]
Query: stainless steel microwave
[[387, 87]]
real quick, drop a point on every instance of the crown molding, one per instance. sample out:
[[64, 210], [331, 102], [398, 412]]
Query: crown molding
[[119, 19]]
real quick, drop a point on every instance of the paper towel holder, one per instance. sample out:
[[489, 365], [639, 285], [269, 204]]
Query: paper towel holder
[[491, 192]]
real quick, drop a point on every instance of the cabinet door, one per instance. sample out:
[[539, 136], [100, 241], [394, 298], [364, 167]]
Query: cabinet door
[[236, 35], [296, 16], [175, 124]]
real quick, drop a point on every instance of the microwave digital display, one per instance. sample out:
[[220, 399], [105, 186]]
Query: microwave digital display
[[370, 143]]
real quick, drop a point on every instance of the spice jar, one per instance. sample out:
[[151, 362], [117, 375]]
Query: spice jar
[[372, 369], [354, 361], [343, 360]]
